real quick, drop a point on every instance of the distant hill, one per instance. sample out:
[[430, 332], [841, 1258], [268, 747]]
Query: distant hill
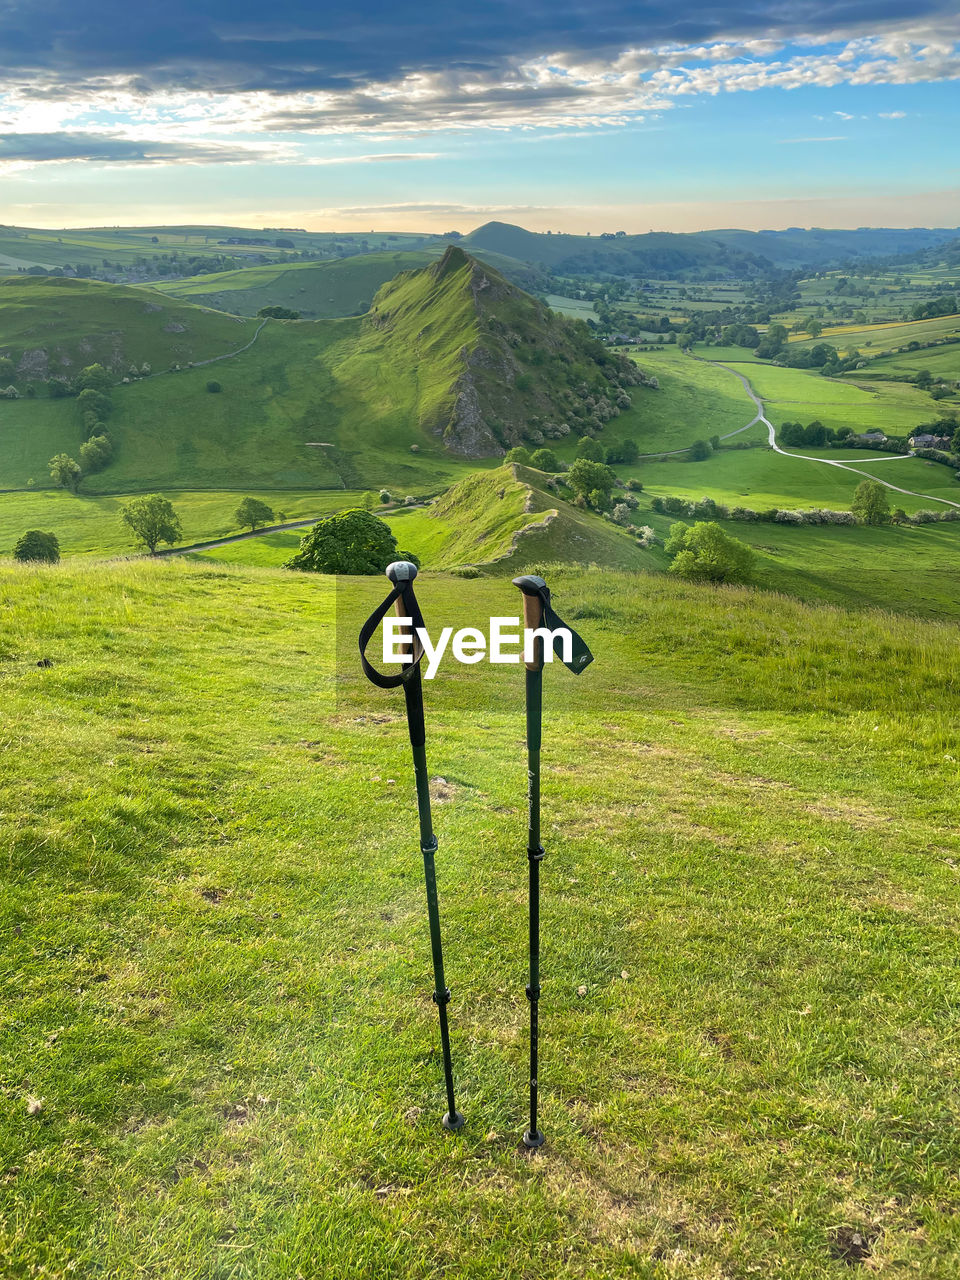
[[660, 253], [323, 290]]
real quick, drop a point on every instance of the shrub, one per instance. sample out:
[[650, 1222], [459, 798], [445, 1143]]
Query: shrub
[[350, 542], [518, 454], [38, 547], [621, 514], [214, 387], [699, 451], [385, 497], [468, 571], [703, 552]]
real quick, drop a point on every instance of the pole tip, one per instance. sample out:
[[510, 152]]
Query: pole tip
[[453, 1122], [533, 1140], [530, 584], [401, 571]]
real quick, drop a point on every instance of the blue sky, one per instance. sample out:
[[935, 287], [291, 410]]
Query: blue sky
[[560, 115]]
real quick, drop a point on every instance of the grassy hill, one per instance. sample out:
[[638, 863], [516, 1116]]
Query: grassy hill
[[496, 519], [51, 328], [340, 287], [452, 360], [217, 975]]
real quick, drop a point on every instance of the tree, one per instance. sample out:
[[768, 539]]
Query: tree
[[703, 552], [518, 454], [385, 497], [153, 520], [586, 477], [214, 387], [699, 451], [96, 402], [35, 545], [65, 472], [590, 449], [351, 542], [813, 327], [629, 452], [278, 313], [544, 460], [870, 503], [253, 513], [94, 378], [772, 342], [715, 443], [8, 370], [95, 453]]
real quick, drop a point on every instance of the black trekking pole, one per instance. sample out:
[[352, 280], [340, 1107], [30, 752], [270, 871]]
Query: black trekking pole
[[539, 614], [402, 574]]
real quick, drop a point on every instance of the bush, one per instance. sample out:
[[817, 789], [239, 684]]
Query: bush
[[703, 552], [621, 514], [385, 497], [699, 451], [468, 571], [351, 542], [214, 387], [37, 547]]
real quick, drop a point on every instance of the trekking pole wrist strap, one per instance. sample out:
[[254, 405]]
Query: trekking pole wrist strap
[[580, 655], [403, 591]]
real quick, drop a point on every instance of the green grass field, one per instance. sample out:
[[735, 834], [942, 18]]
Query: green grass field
[[90, 525], [219, 1049], [881, 337], [343, 287]]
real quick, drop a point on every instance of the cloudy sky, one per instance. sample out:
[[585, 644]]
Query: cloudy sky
[[555, 114]]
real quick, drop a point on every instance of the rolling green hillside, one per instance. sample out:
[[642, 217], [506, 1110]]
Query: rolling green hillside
[[660, 253], [496, 519], [343, 287], [452, 360], [51, 328], [340, 287]]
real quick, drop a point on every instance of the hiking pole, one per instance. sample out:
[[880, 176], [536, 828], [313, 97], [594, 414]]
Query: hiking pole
[[402, 573], [538, 616]]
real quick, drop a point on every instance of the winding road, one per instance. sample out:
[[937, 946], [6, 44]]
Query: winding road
[[761, 416]]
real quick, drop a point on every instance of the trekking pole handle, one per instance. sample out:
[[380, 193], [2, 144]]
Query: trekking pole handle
[[532, 586], [532, 617], [402, 573]]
